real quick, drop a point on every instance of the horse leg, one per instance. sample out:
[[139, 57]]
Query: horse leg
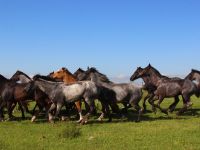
[[173, 105], [186, 104], [25, 106], [89, 102], [135, 103], [10, 109], [144, 102], [58, 108], [105, 111], [151, 101], [22, 110], [158, 106], [78, 106], [52, 107], [1, 111], [36, 113]]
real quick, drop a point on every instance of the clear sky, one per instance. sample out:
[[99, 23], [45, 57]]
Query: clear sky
[[39, 36]]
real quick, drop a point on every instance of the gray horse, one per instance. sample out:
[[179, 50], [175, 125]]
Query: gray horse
[[125, 93], [59, 93]]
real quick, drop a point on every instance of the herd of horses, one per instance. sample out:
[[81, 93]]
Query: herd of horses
[[62, 88]]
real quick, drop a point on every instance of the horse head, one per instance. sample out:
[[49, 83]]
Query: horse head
[[136, 74]]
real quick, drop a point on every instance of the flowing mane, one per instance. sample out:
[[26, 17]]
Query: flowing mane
[[18, 72], [101, 76], [3, 78], [47, 78], [196, 71], [156, 71], [67, 71]]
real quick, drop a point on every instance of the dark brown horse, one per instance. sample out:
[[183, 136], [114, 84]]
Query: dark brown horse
[[149, 87], [41, 99], [166, 87], [11, 93]]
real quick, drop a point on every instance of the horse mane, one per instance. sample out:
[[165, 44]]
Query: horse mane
[[20, 72], [67, 71], [157, 72], [47, 78], [3, 78], [80, 70], [102, 77], [196, 71]]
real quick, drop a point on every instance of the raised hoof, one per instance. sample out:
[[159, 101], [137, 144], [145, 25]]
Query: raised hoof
[[79, 121]]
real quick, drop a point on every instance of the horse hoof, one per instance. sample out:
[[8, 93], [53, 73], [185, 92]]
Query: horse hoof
[[100, 119], [189, 104], [33, 119], [63, 118], [79, 121]]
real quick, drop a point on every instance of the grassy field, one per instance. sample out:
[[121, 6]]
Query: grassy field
[[156, 131]]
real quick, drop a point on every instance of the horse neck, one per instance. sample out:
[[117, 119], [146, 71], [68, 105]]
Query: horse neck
[[24, 79], [146, 79], [154, 77], [69, 78], [46, 86]]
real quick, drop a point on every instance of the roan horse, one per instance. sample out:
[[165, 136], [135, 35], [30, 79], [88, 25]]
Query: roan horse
[[166, 87], [59, 93], [125, 93], [68, 78], [64, 74]]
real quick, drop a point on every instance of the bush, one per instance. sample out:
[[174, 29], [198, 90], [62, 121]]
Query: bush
[[70, 132]]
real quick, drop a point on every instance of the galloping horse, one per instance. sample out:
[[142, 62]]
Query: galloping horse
[[59, 92], [125, 93], [149, 87], [68, 78], [166, 87], [41, 99], [194, 75], [13, 92]]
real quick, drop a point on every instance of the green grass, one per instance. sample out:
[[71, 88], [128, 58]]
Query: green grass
[[156, 131]]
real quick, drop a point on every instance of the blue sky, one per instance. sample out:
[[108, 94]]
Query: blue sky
[[39, 36]]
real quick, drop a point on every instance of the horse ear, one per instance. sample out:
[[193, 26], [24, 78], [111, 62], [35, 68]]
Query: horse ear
[[88, 68], [149, 65]]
